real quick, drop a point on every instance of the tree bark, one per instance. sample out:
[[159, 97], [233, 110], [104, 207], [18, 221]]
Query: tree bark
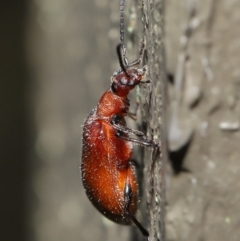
[[202, 46], [154, 116]]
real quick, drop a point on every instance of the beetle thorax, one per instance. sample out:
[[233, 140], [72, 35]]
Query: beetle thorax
[[111, 104]]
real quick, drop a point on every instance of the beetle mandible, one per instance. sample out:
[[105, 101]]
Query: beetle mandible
[[108, 174]]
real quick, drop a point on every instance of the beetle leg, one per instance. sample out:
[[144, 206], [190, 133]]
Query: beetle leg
[[135, 62], [116, 122], [141, 52], [132, 115], [122, 130], [130, 131], [127, 203], [143, 142]]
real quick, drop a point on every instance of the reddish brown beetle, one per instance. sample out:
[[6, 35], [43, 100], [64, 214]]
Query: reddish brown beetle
[[108, 174]]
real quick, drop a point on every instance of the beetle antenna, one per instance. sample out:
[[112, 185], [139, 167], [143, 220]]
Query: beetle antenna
[[121, 18], [121, 50], [120, 58]]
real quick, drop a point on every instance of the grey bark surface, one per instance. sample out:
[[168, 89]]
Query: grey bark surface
[[202, 202], [153, 107]]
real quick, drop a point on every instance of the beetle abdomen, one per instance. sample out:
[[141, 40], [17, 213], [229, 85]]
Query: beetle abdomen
[[105, 169]]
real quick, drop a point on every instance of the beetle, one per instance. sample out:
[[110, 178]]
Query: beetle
[[108, 173]]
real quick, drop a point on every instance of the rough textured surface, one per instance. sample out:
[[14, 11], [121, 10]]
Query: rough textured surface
[[154, 116], [203, 203]]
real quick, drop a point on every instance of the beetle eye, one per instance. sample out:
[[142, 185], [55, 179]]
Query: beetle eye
[[131, 82], [123, 81]]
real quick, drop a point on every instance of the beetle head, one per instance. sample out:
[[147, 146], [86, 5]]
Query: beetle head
[[124, 81]]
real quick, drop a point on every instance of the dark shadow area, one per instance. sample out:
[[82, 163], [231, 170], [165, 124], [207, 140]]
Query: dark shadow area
[[177, 158], [170, 78], [13, 121]]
